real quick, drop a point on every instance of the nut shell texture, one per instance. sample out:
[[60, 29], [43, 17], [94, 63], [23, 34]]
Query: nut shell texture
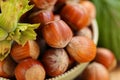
[[30, 69], [56, 61], [57, 34], [95, 71], [82, 49], [76, 16]]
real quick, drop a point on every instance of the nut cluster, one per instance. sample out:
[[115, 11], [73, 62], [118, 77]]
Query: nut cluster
[[100, 67], [64, 39]]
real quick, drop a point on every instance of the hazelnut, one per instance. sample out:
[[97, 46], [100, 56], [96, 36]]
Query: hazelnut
[[30, 49], [43, 4], [57, 17], [42, 16], [76, 16], [106, 57], [7, 67], [90, 7], [57, 34], [85, 32], [82, 49], [95, 71], [55, 61], [29, 69]]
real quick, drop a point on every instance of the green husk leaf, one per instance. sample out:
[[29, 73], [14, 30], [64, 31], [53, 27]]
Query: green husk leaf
[[23, 33], [10, 28], [5, 47], [11, 11], [3, 34], [108, 17]]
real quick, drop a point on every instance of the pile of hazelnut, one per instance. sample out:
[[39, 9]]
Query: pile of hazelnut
[[64, 39], [100, 67]]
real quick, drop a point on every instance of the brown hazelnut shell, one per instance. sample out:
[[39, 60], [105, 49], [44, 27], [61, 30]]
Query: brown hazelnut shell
[[82, 49], [57, 34], [55, 61]]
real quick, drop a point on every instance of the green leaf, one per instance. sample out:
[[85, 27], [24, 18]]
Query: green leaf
[[24, 7], [23, 33], [3, 34], [10, 28], [5, 47], [11, 11], [108, 18]]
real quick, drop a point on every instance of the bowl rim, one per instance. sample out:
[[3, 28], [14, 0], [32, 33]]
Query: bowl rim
[[95, 31]]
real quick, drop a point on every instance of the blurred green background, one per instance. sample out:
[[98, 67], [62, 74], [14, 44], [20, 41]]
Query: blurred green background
[[108, 18]]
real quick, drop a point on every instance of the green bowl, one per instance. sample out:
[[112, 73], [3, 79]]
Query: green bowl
[[3, 78], [77, 70]]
